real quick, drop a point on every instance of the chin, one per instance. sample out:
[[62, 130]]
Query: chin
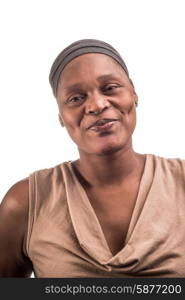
[[114, 146], [109, 150], [106, 148]]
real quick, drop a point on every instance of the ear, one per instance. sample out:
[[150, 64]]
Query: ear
[[60, 120], [131, 82], [136, 100], [135, 95]]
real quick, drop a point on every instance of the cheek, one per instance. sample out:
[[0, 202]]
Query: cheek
[[69, 118], [71, 122], [128, 109], [125, 102], [128, 103], [68, 122], [130, 119]]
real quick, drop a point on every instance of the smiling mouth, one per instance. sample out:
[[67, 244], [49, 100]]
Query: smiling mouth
[[102, 125]]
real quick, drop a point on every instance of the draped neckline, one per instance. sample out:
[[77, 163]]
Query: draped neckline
[[85, 221]]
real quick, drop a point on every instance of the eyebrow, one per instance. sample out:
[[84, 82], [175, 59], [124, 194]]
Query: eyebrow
[[73, 87], [78, 86], [107, 77]]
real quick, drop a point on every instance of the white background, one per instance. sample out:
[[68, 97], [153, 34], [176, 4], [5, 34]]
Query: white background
[[149, 34]]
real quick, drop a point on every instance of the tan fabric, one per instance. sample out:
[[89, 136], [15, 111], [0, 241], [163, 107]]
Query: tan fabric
[[65, 238]]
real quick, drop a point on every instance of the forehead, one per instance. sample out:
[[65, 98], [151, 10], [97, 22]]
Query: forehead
[[93, 65]]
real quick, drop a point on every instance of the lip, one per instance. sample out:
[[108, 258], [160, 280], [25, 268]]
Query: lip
[[101, 123], [103, 127]]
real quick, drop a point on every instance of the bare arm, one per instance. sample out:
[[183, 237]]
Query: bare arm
[[13, 225]]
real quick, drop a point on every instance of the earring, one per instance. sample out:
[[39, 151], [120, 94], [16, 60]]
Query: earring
[[60, 120], [136, 102]]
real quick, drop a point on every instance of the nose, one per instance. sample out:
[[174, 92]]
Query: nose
[[96, 103]]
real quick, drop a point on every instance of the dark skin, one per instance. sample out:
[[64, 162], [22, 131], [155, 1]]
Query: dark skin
[[13, 216], [108, 168]]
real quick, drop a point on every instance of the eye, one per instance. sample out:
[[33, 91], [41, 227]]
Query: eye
[[77, 99], [110, 88]]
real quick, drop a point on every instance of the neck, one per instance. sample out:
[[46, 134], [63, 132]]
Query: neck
[[109, 169]]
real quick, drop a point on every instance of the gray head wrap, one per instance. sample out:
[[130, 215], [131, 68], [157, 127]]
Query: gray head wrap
[[76, 49]]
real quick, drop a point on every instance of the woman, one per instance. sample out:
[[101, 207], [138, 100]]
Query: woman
[[111, 213]]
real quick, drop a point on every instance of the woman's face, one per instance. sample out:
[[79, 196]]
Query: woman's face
[[97, 83]]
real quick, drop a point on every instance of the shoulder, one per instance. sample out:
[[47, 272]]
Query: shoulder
[[170, 163], [16, 199], [14, 206], [56, 170], [49, 177], [13, 226], [170, 167]]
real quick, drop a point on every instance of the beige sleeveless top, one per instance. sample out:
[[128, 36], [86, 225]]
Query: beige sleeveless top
[[65, 239]]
